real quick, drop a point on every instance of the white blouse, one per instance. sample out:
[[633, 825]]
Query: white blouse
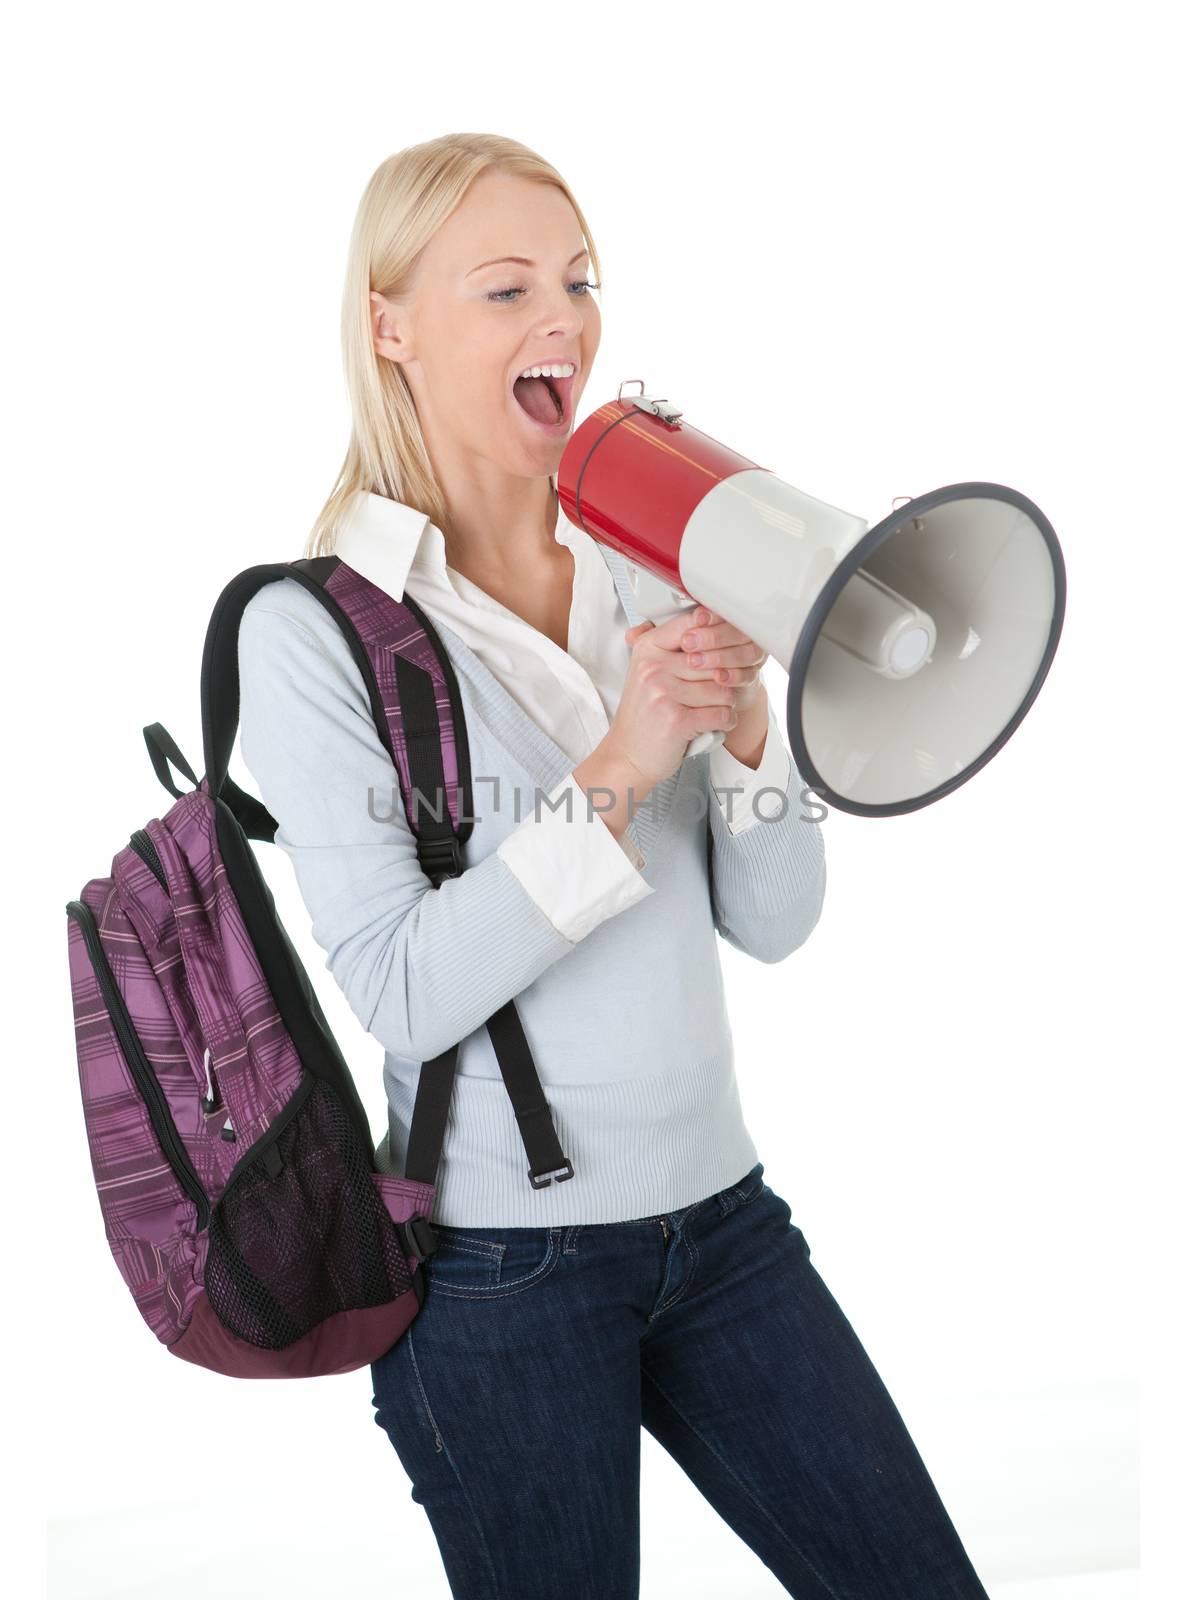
[[576, 874]]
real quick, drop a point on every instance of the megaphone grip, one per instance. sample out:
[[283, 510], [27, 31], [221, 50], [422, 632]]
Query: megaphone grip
[[705, 741]]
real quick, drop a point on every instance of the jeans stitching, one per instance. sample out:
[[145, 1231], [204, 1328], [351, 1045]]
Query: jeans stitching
[[733, 1197], [746, 1490], [476, 1247], [439, 1441], [499, 1291], [690, 1242], [490, 1253], [453, 1465], [737, 1198], [491, 1257]]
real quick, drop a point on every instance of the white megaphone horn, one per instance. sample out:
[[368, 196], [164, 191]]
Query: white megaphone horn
[[913, 649]]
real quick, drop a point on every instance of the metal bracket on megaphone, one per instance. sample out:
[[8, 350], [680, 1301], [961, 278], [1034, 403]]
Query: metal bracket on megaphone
[[663, 409], [905, 499]]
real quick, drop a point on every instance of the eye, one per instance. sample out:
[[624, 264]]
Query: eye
[[497, 295]]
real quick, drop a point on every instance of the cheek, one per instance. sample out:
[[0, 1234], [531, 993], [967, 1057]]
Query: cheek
[[591, 337], [477, 383], [470, 356]]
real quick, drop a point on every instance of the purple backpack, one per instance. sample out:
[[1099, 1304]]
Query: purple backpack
[[232, 1154]]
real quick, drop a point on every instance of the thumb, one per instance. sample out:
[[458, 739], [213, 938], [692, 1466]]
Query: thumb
[[632, 635]]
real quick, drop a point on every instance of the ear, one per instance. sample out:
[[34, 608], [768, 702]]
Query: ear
[[388, 331]]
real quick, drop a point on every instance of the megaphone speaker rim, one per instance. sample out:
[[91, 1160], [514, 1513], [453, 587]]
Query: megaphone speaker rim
[[826, 599]]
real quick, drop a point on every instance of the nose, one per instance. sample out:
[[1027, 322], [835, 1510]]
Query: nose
[[564, 318]]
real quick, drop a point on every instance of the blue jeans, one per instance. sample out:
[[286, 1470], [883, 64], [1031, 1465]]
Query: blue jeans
[[515, 1401]]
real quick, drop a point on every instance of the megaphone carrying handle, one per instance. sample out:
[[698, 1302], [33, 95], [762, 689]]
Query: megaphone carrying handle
[[648, 599], [705, 741]]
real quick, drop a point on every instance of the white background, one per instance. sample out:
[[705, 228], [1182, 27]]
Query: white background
[[876, 249]]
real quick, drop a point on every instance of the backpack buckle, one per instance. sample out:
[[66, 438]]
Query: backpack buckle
[[541, 1180], [419, 1233], [440, 858]]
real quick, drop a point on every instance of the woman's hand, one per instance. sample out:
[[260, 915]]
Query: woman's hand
[[665, 702], [715, 649], [722, 652]]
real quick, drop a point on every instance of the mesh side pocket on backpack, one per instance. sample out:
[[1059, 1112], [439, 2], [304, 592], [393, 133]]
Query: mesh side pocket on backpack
[[301, 1231]]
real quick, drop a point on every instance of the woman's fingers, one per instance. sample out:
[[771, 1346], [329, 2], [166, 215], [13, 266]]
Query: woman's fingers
[[703, 692], [746, 655], [713, 636], [706, 646], [666, 635]]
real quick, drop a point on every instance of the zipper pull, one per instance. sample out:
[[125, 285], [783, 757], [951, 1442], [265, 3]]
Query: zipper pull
[[228, 1131], [208, 1102]]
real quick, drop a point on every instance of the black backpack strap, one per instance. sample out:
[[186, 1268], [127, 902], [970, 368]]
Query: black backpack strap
[[438, 845], [413, 722], [220, 696], [546, 1159], [220, 681], [254, 818], [440, 854]]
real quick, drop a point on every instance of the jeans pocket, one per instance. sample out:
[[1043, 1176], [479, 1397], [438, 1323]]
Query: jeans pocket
[[485, 1263]]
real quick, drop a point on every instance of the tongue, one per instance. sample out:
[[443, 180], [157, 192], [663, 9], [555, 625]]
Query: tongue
[[537, 400]]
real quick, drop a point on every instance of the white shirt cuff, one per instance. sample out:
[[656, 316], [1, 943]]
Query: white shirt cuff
[[570, 863], [727, 772]]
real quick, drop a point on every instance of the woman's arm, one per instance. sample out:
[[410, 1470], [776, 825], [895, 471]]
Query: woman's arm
[[421, 967], [766, 865]]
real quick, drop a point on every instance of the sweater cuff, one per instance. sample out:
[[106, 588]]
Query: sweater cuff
[[728, 774], [570, 863]]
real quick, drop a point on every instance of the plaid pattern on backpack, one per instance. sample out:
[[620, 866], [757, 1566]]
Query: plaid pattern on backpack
[[232, 1154]]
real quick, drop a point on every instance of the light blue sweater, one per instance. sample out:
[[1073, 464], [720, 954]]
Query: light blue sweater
[[627, 1026]]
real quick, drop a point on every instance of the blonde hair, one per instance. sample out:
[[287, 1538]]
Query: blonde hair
[[406, 200]]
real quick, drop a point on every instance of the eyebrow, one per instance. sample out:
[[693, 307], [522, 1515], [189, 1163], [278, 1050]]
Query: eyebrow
[[521, 261]]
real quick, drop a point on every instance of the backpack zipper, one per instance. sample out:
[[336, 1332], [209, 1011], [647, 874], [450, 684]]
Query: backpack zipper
[[141, 843], [210, 1098], [139, 1065]]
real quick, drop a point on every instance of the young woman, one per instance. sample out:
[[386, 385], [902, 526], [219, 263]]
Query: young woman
[[662, 1286]]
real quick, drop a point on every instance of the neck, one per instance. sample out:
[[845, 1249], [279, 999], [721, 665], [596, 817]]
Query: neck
[[499, 537]]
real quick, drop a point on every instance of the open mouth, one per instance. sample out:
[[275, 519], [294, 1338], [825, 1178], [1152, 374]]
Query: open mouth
[[546, 401]]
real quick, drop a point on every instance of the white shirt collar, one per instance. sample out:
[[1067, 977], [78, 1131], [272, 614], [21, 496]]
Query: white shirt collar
[[384, 539]]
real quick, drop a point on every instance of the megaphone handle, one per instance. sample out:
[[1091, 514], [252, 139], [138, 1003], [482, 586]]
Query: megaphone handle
[[659, 603], [705, 741]]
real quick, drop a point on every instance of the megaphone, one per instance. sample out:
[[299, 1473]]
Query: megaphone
[[913, 649]]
